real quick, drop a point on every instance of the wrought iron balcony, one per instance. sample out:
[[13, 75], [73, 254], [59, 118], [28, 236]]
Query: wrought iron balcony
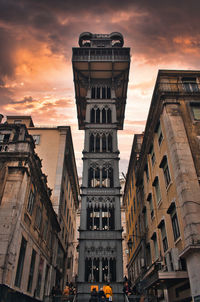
[[95, 54], [184, 88]]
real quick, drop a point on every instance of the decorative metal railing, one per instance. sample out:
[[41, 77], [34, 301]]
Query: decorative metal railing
[[181, 88]]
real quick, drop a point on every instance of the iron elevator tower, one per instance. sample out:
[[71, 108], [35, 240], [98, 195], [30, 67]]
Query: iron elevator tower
[[101, 71]]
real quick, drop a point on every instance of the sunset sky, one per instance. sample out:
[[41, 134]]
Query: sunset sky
[[36, 40]]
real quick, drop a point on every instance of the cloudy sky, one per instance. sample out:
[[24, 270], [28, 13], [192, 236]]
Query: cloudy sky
[[36, 37]]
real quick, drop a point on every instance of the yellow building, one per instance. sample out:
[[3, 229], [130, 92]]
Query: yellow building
[[164, 229], [55, 148]]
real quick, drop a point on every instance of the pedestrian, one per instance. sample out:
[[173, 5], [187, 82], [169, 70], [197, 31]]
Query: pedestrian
[[127, 289], [56, 293], [94, 296], [108, 292], [101, 295], [66, 290]]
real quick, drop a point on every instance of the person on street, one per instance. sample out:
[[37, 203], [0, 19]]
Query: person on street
[[94, 295], [101, 295], [108, 292]]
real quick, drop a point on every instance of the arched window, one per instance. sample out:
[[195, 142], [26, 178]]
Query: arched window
[[92, 115], [104, 116], [103, 92], [90, 177], [104, 149], [98, 116], [113, 270], [97, 143], [108, 93], [98, 93], [109, 143], [88, 270], [110, 177], [93, 93], [91, 147], [109, 117]]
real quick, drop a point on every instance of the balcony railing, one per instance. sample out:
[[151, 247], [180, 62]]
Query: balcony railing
[[14, 147], [181, 88], [101, 55]]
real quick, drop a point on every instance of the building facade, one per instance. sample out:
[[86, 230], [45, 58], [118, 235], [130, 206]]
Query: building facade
[[163, 210], [101, 68], [28, 224], [55, 148]]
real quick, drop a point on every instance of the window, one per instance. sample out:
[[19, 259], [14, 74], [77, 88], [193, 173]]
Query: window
[[174, 220], [149, 198], [4, 138], [147, 172], [100, 177], [190, 84], [148, 254], [162, 228], [31, 271], [155, 245], [152, 155], [39, 278], [31, 200], [195, 107], [145, 217], [175, 225], [20, 264], [38, 218], [157, 189], [164, 166], [99, 142], [98, 116], [98, 92], [45, 230], [36, 139], [159, 133]]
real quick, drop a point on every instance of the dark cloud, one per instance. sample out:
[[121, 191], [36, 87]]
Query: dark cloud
[[7, 62]]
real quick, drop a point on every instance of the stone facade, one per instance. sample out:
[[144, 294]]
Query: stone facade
[[28, 223], [163, 210], [101, 67], [55, 148]]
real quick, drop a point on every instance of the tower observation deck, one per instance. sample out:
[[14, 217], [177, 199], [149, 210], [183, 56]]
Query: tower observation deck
[[101, 71]]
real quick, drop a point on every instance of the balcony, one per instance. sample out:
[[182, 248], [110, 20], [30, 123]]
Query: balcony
[[14, 147], [89, 55], [183, 88]]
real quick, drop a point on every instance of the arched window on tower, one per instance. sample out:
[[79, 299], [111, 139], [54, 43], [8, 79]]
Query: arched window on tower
[[97, 116], [104, 144], [93, 93], [110, 177], [88, 270], [103, 93], [98, 93], [92, 115], [104, 116], [112, 270], [109, 142], [97, 143], [109, 116], [108, 93], [91, 147]]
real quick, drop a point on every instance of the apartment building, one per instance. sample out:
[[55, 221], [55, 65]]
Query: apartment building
[[54, 146], [162, 193], [28, 224]]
